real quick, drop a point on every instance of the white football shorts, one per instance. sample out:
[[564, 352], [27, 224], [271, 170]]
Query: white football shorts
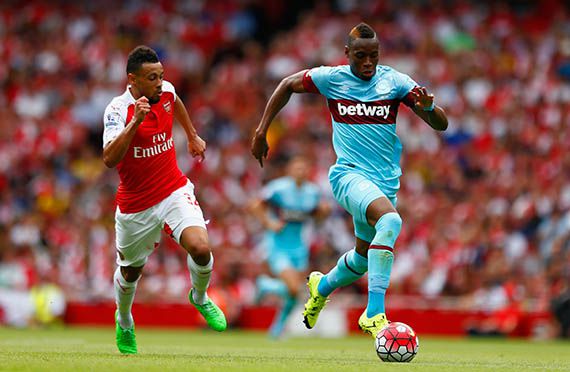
[[138, 234]]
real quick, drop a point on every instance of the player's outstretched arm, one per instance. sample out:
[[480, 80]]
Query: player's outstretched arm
[[115, 150], [435, 117], [196, 145], [289, 85]]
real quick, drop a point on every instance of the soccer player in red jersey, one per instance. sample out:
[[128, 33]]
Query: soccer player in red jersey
[[153, 193]]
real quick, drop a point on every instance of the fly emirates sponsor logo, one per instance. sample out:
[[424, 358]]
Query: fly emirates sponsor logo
[[161, 144], [362, 109]]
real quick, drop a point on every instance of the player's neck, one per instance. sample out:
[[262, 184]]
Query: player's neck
[[134, 92]]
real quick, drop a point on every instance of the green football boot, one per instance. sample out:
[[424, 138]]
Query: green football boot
[[126, 340], [211, 312]]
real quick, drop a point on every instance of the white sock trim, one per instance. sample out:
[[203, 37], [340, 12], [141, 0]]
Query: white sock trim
[[194, 267]]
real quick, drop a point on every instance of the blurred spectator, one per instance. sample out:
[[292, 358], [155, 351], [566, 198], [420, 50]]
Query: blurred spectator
[[26, 299]]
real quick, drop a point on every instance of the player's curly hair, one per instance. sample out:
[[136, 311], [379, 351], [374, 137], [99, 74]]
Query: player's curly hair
[[360, 31], [138, 56]]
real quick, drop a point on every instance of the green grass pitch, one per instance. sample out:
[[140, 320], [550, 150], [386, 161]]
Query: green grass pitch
[[163, 350]]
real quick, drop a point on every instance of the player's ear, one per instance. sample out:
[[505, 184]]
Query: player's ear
[[131, 78], [346, 51]]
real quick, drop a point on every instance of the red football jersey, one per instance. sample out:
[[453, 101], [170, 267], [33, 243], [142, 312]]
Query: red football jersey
[[148, 172]]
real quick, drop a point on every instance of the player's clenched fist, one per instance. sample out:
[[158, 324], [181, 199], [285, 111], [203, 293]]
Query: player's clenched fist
[[142, 107]]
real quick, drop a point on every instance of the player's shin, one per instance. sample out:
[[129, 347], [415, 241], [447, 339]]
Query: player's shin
[[124, 297], [380, 260], [200, 276], [350, 267]]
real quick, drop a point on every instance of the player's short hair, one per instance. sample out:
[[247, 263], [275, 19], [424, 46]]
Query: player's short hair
[[360, 31], [140, 55]]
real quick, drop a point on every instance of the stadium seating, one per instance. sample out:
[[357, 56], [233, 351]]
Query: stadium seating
[[486, 205]]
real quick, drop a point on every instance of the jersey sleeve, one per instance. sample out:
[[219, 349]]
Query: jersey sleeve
[[405, 86], [316, 80], [113, 121], [168, 87], [269, 193]]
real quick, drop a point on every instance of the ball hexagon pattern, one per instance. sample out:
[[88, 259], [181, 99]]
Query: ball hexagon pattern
[[397, 342]]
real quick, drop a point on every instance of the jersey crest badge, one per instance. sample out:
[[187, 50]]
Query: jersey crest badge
[[383, 87], [167, 106]]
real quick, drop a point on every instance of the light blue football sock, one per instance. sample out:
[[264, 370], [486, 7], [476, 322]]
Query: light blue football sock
[[280, 320], [350, 267], [380, 260], [378, 280]]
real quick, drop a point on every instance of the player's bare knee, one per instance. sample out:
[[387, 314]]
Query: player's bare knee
[[293, 280], [195, 242], [295, 289], [130, 273], [295, 292], [199, 249]]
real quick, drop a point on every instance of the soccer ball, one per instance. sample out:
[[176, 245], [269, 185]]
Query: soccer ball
[[397, 342]]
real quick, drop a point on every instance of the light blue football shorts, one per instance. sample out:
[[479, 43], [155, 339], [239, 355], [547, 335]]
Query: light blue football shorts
[[282, 259], [354, 192]]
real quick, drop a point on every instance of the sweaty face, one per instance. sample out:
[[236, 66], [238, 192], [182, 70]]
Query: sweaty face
[[148, 81], [363, 57]]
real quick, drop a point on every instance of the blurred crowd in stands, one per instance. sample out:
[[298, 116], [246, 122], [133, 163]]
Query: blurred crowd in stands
[[485, 205]]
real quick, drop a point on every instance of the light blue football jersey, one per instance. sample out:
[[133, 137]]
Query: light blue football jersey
[[293, 205], [364, 116]]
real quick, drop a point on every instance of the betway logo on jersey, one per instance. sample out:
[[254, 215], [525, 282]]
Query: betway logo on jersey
[[364, 109], [356, 112], [161, 145]]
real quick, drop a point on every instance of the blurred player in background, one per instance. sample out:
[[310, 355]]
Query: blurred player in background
[[153, 193], [363, 98], [285, 207]]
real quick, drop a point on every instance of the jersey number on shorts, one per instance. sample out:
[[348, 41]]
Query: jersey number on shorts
[[192, 199]]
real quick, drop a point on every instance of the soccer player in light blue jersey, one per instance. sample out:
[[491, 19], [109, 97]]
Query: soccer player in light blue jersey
[[363, 98], [284, 208]]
